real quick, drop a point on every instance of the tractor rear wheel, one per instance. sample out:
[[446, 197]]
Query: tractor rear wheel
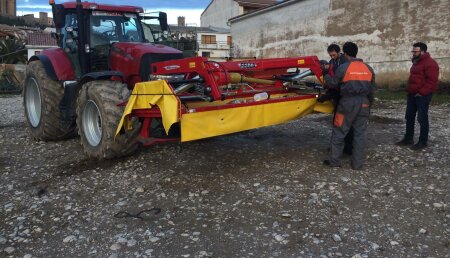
[[98, 117], [41, 98]]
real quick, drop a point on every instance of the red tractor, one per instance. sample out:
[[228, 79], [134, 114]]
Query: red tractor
[[114, 87], [76, 88]]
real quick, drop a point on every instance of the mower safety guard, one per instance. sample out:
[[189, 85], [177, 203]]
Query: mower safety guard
[[215, 98]]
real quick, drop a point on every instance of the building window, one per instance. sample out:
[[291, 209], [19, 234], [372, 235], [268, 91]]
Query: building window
[[206, 54], [229, 40], [250, 9], [208, 39]]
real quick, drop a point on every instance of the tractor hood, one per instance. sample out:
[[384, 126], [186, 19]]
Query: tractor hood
[[134, 59], [137, 49]]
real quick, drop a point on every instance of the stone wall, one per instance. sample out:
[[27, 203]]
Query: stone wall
[[384, 31]]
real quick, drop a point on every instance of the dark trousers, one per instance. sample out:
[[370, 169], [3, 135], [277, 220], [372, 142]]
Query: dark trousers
[[335, 96], [419, 105], [348, 141], [352, 112]]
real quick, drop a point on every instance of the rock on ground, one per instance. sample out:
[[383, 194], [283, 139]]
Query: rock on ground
[[258, 193]]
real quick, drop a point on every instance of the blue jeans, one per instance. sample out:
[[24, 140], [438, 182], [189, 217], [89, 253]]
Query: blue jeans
[[417, 104]]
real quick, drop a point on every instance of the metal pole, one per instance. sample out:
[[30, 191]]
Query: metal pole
[[81, 39]]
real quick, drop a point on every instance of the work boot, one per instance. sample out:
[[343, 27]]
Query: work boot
[[328, 163], [348, 151], [405, 142], [354, 167], [418, 146]]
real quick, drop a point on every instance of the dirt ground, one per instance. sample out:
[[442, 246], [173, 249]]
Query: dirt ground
[[260, 193]]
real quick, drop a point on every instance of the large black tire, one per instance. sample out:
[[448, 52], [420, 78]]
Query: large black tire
[[98, 117], [41, 98]]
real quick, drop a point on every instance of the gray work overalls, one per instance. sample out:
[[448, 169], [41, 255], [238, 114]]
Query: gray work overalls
[[355, 80]]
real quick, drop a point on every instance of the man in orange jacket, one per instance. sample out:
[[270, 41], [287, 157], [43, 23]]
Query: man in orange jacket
[[355, 81]]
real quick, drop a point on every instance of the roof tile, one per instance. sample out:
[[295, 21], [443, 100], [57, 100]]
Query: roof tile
[[256, 3], [41, 39]]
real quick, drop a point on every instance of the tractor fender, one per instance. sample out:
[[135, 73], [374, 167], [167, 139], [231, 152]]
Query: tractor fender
[[71, 89], [56, 63], [105, 75]]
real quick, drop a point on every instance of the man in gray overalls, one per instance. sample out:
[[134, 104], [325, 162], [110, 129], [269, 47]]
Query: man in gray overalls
[[356, 82]]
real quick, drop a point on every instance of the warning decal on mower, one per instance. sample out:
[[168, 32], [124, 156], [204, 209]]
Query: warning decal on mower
[[247, 65], [171, 67]]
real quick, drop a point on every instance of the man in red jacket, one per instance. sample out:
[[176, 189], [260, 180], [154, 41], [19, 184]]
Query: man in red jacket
[[423, 80]]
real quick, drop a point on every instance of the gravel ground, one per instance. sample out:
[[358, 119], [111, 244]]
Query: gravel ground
[[261, 193]]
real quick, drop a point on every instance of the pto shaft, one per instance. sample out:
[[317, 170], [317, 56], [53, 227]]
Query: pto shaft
[[239, 78]]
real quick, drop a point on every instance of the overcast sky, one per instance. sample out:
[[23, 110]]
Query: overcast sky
[[191, 9]]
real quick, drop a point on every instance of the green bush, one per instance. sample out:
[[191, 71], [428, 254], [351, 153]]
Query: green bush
[[12, 51], [383, 94], [7, 85]]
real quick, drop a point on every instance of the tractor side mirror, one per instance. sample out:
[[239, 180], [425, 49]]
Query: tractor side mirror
[[59, 18], [163, 21]]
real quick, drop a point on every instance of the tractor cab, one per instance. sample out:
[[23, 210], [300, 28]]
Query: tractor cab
[[102, 26], [89, 33]]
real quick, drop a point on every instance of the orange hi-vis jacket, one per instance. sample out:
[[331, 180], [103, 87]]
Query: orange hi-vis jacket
[[354, 78]]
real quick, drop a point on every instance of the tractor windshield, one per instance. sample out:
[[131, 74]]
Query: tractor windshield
[[110, 27]]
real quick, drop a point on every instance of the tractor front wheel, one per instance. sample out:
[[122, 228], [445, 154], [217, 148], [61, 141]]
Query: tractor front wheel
[[98, 116]]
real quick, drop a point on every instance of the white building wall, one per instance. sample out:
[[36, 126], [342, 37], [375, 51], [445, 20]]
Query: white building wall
[[384, 31], [219, 12], [285, 31], [32, 50], [218, 51]]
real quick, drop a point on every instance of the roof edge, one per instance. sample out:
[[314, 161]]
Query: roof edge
[[206, 8], [263, 10], [41, 46]]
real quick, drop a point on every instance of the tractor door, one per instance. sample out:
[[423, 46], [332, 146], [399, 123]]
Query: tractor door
[[104, 32], [69, 35]]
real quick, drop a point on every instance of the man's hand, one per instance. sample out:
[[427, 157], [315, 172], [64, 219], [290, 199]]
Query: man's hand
[[418, 95], [325, 66]]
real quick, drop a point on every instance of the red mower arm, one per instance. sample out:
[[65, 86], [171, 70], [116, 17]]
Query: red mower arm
[[262, 72]]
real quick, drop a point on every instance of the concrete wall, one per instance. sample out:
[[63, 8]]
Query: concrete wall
[[218, 13], [384, 31]]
